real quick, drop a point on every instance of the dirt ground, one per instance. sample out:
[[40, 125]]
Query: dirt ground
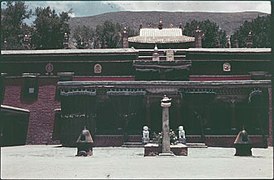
[[53, 162]]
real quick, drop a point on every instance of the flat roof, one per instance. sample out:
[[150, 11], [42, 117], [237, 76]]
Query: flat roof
[[230, 50], [70, 51], [160, 36], [131, 50], [163, 83], [156, 32]]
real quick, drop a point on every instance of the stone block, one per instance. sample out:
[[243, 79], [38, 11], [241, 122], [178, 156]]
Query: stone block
[[179, 149], [154, 149]]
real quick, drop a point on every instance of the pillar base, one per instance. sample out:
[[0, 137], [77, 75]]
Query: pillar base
[[166, 154]]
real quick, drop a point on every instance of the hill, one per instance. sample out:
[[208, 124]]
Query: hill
[[227, 21]]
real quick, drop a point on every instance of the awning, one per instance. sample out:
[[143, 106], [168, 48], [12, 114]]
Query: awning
[[126, 92], [161, 40], [73, 92], [5, 108], [160, 66]]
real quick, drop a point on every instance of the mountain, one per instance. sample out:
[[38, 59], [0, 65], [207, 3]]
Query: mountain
[[227, 21]]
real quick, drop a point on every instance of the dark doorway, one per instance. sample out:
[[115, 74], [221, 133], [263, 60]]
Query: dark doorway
[[128, 112], [107, 121], [195, 111], [156, 115], [14, 126]]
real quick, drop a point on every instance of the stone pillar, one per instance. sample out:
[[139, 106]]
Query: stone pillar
[[181, 27], [169, 55], [141, 26], [155, 55], [125, 38], [26, 41], [249, 40], [198, 37], [165, 104], [5, 44], [66, 41], [228, 42], [160, 26]]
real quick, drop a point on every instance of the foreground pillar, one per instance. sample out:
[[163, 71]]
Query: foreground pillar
[[165, 104], [125, 38]]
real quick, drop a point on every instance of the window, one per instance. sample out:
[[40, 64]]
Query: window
[[30, 86]]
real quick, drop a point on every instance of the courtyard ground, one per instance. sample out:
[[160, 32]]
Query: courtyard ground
[[53, 162]]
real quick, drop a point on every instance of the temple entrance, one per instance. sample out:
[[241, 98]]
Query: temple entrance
[[119, 112], [115, 113], [156, 116], [220, 118], [195, 112], [107, 123], [120, 115], [78, 111]]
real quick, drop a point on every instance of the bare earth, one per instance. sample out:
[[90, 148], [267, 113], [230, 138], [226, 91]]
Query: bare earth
[[51, 161]]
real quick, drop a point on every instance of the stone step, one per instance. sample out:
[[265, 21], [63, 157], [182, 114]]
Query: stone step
[[196, 145], [133, 144]]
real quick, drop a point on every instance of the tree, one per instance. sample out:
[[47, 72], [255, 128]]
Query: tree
[[12, 27], [261, 32], [213, 35], [132, 32], [108, 35], [84, 36], [50, 28]]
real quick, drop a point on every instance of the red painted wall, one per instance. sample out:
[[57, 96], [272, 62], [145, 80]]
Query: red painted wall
[[219, 78], [103, 78], [41, 120]]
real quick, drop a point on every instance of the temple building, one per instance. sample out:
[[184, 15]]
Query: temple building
[[48, 96], [165, 38]]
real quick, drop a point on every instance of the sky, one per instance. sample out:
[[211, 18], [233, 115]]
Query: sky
[[90, 8]]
